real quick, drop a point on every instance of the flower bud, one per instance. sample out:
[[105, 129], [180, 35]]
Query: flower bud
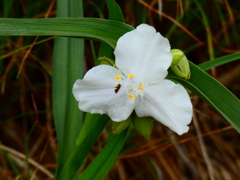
[[176, 56], [118, 127], [144, 125], [180, 64]]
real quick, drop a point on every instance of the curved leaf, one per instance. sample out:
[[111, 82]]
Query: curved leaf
[[67, 67], [219, 61], [214, 93], [103, 162], [99, 29], [92, 127]]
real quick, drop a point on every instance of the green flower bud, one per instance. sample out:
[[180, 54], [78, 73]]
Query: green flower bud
[[118, 127], [180, 64], [177, 56], [107, 61], [144, 125]]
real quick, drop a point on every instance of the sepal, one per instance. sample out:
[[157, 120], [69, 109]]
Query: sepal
[[144, 125]]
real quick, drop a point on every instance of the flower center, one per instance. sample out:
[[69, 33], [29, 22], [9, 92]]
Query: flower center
[[129, 85]]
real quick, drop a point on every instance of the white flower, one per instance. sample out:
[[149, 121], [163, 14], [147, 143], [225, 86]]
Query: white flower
[[138, 83]]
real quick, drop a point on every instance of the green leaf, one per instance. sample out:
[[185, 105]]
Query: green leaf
[[7, 7], [89, 28], [103, 162], [219, 61], [115, 13], [67, 68], [214, 93], [59, 94], [75, 66], [92, 128]]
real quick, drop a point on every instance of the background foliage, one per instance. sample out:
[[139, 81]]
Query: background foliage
[[204, 30]]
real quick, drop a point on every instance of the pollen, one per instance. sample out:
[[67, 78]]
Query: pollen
[[131, 96], [117, 77], [131, 76], [117, 84], [141, 89], [140, 85]]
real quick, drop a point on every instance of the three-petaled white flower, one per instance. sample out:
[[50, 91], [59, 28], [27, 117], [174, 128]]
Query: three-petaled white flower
[[138, 83]]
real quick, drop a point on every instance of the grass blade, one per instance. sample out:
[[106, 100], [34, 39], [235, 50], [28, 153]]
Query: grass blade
[[92, 128], [59, 85], [67, 68], [90, 28], [103, 162], [74, 116], [115, 13], [214, 93], [219, 61]]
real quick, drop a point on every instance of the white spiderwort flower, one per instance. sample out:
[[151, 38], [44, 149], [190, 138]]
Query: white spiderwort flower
[[138, 83]]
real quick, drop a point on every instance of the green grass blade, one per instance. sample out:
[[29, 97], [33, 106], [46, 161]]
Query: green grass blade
[[103, 162], [60, 86], [219, 61], [115, 13], [98, 29], [75, 62], [7, 7], [92, 128], [214, 93], [67, 68], [207, 27], [59, 92]]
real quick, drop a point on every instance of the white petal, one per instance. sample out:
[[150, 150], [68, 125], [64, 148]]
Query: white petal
[[168, 103], [96, 94], [144, 53]]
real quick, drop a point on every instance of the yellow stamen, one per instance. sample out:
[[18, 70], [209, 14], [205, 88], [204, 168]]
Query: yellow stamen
[[130, 76], [141, 89], [131, 96], [117, 77], [140, 85]]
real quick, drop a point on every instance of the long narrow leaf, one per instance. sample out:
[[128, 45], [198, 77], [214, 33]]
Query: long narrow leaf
[[67, 67], [214, 93], [75, 66], [102, 163], [99, 29], [219, 61], [92, 128], [59, 93], [59, 85], [115, 13]]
